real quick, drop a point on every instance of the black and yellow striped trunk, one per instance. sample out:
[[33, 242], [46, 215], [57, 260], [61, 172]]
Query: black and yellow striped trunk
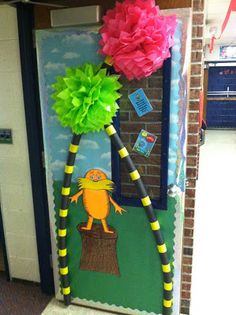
[[155, 226], [146, 202], [63, 213]]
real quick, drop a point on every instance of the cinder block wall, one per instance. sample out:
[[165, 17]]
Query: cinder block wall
[[196, 85], [15, 183]]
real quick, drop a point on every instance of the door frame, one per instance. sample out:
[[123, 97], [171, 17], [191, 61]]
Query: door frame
[[25, 19]]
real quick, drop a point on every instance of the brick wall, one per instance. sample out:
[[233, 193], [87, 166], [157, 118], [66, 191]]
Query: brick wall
[[130, 126], [196, 85]]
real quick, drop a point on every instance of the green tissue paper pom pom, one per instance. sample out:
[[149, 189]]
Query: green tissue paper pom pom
[[85, 98]]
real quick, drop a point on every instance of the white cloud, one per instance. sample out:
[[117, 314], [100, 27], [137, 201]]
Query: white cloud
[[63, 137], [55, 50], [90, 144], [80, 157], [62, 151], [174, 118], [172, 152], [50, 66], [173, 136], [71, 55], [106, 155], [53, 118], [76, 38], [57, 164], [107, 139], [172, 160], [174, 83], [170, 172]]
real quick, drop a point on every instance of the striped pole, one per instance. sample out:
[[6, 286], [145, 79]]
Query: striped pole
[[63, 213], [155, 226]]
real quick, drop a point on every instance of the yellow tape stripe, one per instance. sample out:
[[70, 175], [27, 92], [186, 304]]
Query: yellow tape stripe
[[65, 191], [63, 213], [64, 271], [66, 291], [155, 226], [73, 148], [62, 252], [69, 169], [110, 130], [62, 233], [162, 248], [123, 152], [167, 303], [168, 286], [166, 268], [146, 201], [134, 175]]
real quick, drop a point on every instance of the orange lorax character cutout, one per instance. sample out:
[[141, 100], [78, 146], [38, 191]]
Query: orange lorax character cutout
[[95, 189]]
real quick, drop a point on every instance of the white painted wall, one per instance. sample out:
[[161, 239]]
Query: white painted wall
[[15, 183]]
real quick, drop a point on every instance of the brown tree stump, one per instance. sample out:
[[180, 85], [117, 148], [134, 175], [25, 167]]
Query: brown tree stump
[[99, 250]]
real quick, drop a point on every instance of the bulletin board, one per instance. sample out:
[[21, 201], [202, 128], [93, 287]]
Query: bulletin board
[[139, 286]]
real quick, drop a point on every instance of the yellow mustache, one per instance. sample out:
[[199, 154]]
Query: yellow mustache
[[105, 184]]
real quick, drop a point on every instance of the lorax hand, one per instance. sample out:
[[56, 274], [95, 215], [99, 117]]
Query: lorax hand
[[119, 209], [74, 199]]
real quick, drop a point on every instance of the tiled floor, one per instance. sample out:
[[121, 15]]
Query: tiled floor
[[57, 308], [214, 276]]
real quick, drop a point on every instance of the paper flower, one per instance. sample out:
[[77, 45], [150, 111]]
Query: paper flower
[[86, 98], [136, 37]]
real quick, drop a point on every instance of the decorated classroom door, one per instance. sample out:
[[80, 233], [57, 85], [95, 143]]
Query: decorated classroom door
[[112, 258]]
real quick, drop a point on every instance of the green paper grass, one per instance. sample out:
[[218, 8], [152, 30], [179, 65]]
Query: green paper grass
[[86, 98]]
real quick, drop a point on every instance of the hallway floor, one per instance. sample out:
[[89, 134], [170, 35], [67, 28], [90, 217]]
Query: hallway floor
[[21, 298], [214, 277]]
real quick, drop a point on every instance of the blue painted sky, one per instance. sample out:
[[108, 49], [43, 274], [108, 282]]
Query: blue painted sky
[[56, 50]]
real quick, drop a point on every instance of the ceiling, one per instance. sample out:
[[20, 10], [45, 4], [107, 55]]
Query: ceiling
[[216, 11]]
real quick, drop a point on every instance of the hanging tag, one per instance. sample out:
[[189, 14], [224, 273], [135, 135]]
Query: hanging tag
[[140, 102], [144, 143]]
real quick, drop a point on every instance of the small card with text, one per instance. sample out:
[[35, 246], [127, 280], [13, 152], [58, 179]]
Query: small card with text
[[140, 102], [144, 143]]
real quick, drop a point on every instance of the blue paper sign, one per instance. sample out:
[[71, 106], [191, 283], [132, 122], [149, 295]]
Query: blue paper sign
[[140, 102], [144, 143]]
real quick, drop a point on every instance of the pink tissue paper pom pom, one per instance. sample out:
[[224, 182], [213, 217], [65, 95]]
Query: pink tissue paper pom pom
[[137, 38]]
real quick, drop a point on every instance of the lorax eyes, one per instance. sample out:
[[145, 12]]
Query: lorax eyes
[[98, 177], [91, 177]]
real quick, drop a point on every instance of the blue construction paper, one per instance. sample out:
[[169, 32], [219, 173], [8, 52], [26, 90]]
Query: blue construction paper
[[140, 102], [144, 143]]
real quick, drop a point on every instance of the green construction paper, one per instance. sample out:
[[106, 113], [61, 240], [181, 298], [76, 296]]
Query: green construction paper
[[140, 284], [85, 98]]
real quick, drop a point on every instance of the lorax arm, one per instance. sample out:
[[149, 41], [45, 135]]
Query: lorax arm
[[116, 206], [76, 196]]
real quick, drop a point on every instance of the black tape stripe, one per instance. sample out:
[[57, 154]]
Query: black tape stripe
[[167, 276], [65, 203], [168, 295], [167, 310], [67, 180], [63, 262], [140, 188]]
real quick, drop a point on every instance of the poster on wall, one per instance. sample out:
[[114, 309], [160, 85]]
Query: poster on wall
[[228, 52], [123, 281]]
